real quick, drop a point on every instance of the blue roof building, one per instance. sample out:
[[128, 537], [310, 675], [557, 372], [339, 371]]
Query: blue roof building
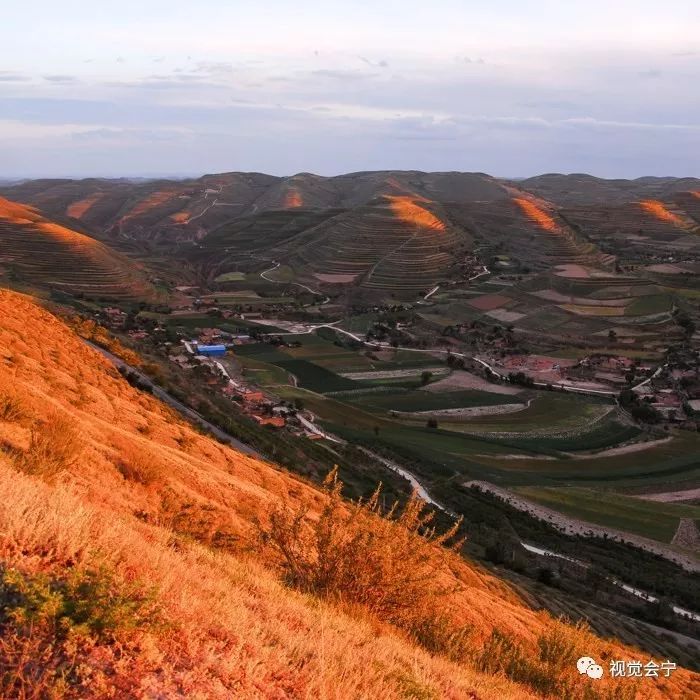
[[211, 350]]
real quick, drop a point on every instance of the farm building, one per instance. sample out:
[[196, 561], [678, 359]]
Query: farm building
[[211, 350]]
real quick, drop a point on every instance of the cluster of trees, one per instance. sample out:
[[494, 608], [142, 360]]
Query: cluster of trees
[[521, 379], [639, 409]]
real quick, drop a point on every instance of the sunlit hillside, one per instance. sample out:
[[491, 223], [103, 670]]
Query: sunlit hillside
[[131, 565], [40, 252], [661, 212], [537, 214]]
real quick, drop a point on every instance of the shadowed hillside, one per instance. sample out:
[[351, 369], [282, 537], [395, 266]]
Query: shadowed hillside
[[131, 564]]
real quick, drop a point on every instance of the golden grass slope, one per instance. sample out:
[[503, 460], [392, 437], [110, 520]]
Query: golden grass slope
[[49, 254], [661, 212], [537, 214], [99, 481], [406, 209]]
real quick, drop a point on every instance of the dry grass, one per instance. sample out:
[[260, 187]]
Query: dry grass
[[138, 464], [391, 566], [11, 408], [54, 446], [226, 626], [659, 211]]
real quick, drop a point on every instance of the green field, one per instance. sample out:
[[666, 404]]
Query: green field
[[316, 378], [533, 450], [406, 400], [548, 414], [657, 521], [650, 304], [263, 373], [231, 277]]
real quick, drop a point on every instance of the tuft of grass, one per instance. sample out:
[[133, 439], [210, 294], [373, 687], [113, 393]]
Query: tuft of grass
[[83, 602], [53, 447], [11, 408], [139, 466]]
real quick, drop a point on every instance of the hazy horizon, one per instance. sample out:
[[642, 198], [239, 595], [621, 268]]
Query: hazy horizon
[[163, 89], [5, 179]]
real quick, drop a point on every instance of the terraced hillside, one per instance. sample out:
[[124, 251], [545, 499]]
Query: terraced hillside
[[349, 231], [529, 230], [242, 243], [173, 210], [643, 228], [36, 251], [396, 243]]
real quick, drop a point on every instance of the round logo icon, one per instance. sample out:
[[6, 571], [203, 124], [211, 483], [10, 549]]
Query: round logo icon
[[583, 664], [595, 671]]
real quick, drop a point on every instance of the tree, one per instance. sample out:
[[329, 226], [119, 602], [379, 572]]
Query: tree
[[425, 377], [645, 413], [545, 575], [432, 424]]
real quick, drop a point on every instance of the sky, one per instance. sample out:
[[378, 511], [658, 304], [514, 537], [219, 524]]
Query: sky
[[513, 88]]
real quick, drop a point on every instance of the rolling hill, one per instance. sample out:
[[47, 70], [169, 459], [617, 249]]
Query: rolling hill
[[171, 210], [395, 243], [348, 232], [38, 252], [132, 566]]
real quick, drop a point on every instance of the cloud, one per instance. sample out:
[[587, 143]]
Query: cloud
[[650, 74], [180, 81], [343, 74], [60, 79], [11, 77], [121, 135], [213, 67], [374, 64]]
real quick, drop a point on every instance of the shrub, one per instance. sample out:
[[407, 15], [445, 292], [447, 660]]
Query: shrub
[[84, 602], [387, 564], [551, 669], [50, 625]]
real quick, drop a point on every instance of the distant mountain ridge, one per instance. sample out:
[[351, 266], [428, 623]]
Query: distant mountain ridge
[[174, 209], [390, 233]]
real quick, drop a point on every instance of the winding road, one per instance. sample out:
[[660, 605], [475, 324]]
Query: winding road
[[295, 284], [180, 407]]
